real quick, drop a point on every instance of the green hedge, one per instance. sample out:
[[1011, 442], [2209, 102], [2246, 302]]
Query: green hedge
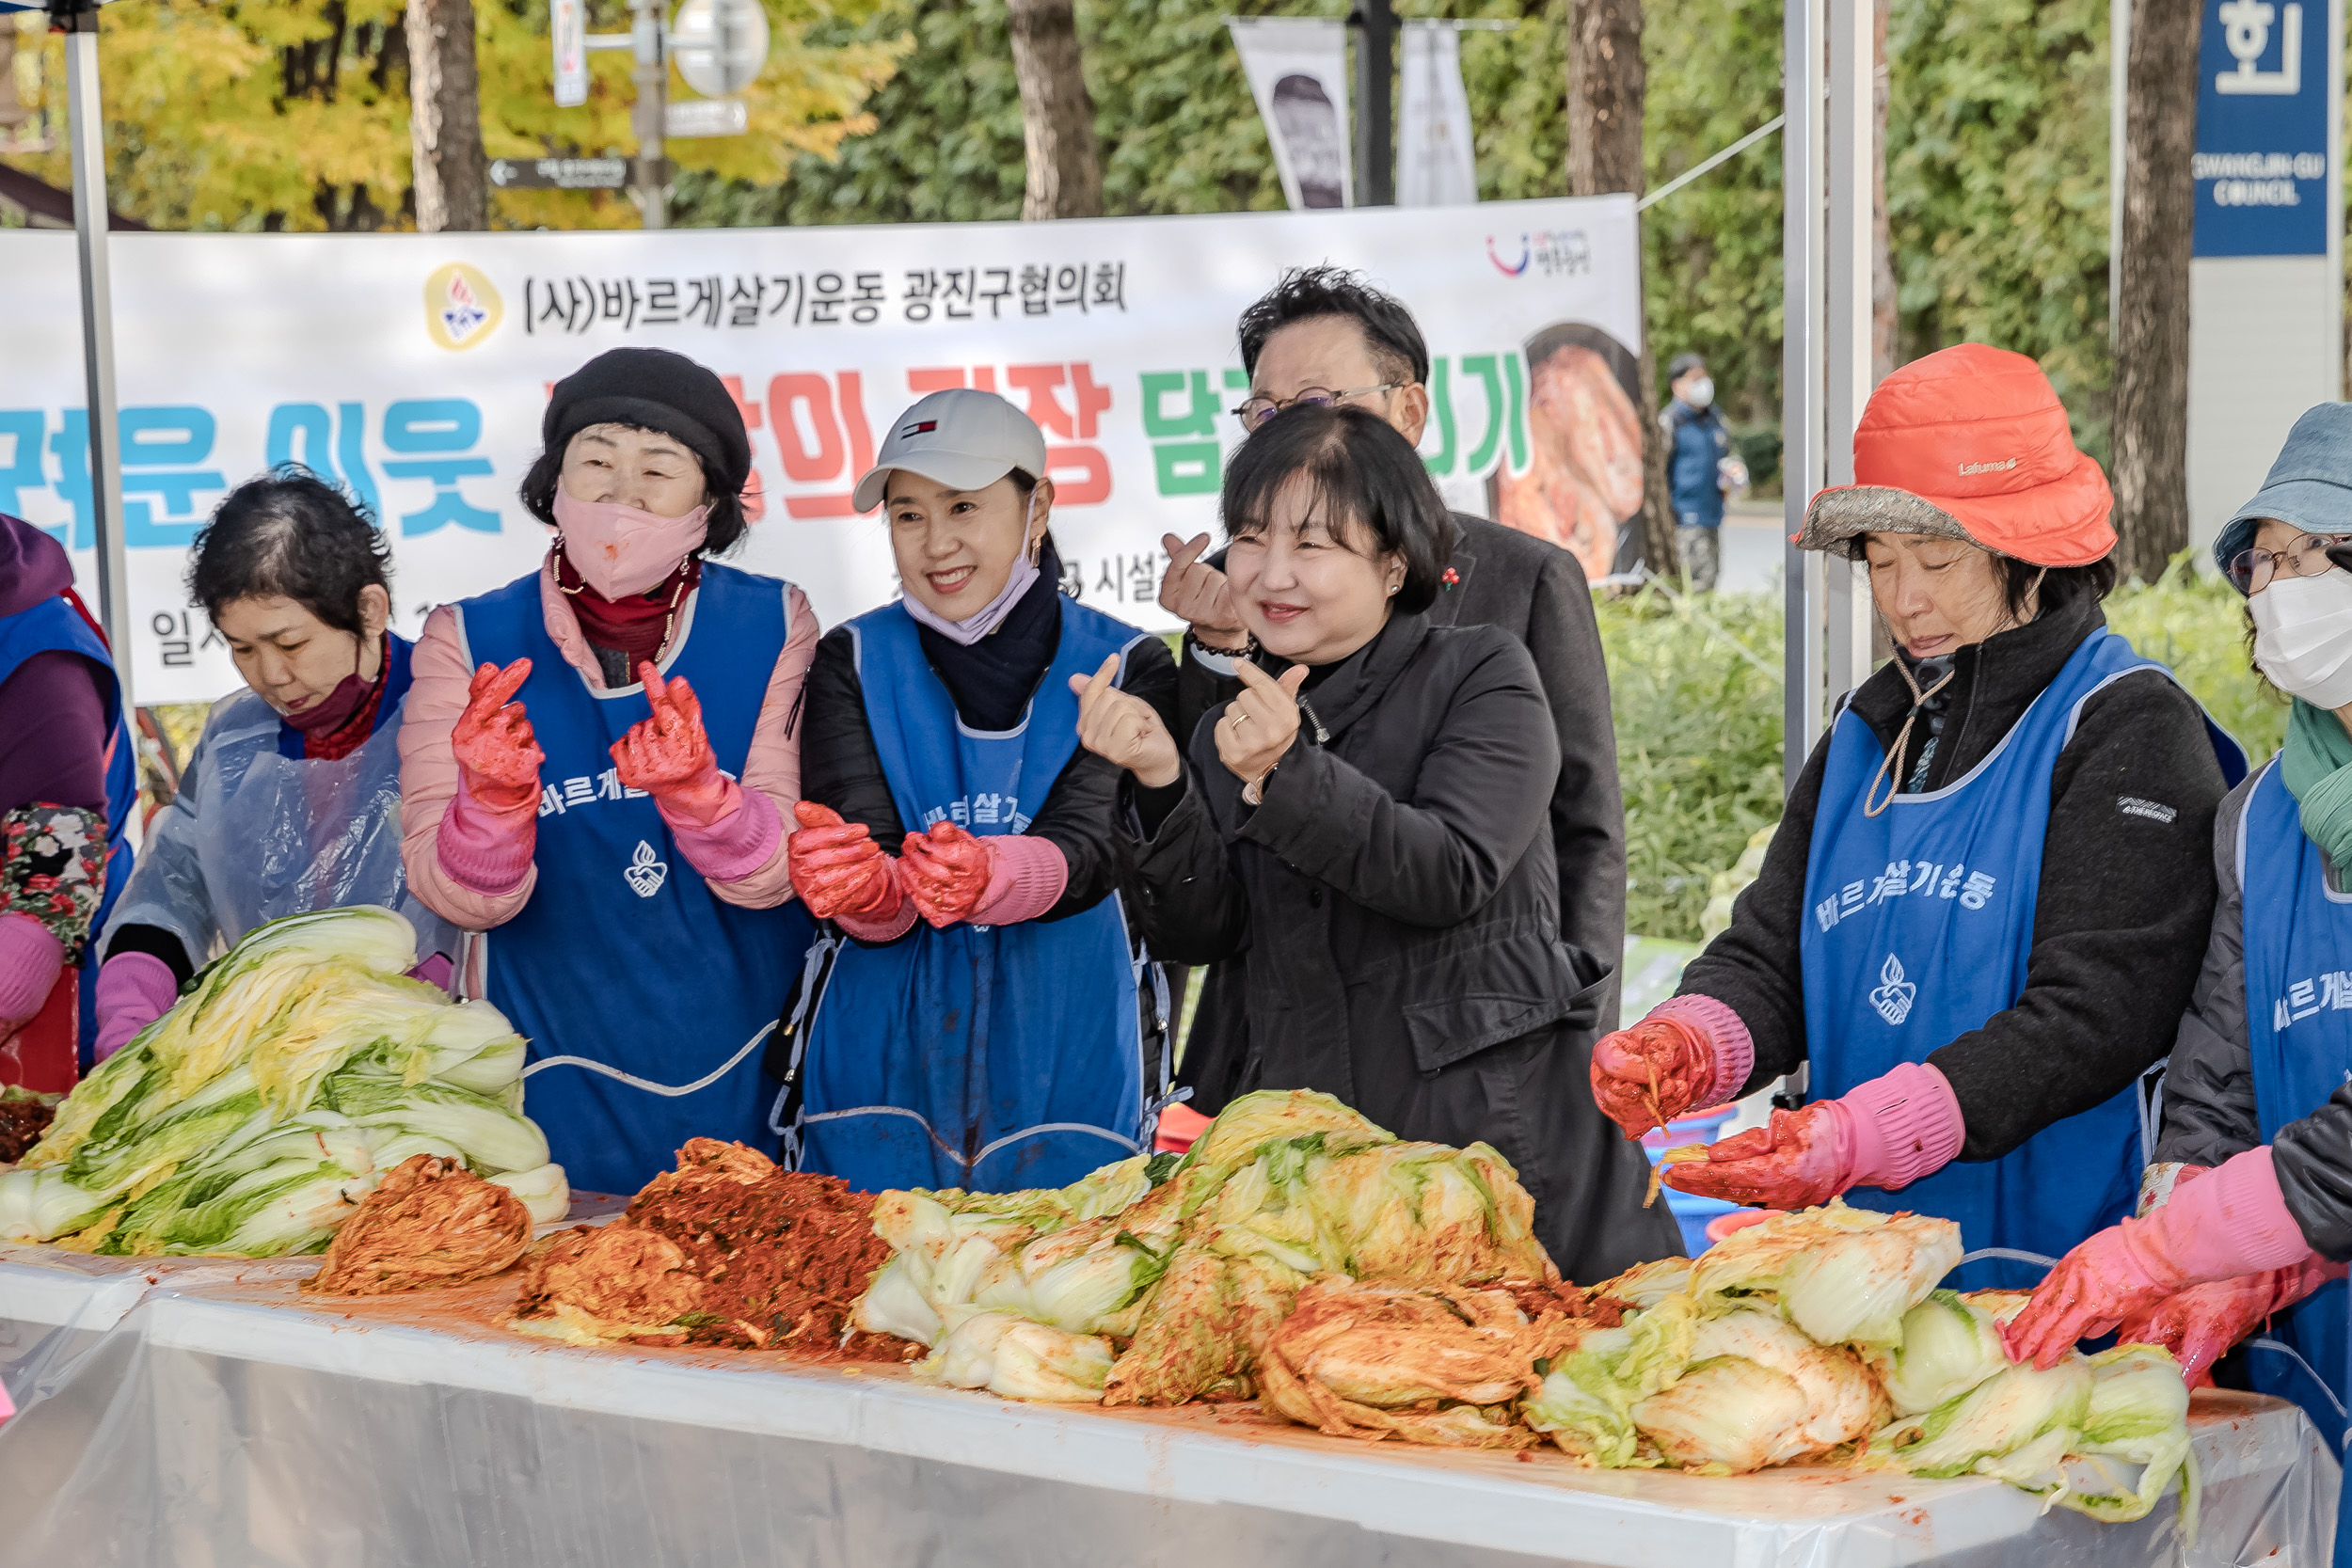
[[1696, 685]]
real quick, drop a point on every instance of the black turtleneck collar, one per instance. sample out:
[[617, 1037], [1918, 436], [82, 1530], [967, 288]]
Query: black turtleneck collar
[[993, 680]]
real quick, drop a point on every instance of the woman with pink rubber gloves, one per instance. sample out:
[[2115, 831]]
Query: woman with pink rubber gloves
[[2245, 1220], [597, 768], [984, 1018], [1980, 915]]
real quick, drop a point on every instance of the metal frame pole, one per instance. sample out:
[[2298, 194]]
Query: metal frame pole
[[1846, 326], [2119, 99], [89, 130], [1803, 242], [650, 114], [1376, 26]]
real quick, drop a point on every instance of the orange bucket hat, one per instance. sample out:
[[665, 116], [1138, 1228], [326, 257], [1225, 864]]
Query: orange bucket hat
[[1970, 443]]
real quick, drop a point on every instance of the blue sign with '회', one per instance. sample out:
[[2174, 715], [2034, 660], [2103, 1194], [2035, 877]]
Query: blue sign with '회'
[[2263, 161]]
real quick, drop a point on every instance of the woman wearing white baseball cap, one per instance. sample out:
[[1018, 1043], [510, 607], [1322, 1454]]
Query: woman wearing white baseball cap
[[1004, 1039]]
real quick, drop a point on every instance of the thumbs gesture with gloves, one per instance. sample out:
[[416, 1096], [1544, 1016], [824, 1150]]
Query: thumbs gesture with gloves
[[667, 754]]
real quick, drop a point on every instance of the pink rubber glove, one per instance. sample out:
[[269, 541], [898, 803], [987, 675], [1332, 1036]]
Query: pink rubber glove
[[2201, 1325], [1888, 1132], [1026, 876], [668, 755], [2230, 1223], [839, 871], [1690, 1052], [491, 829], [946, 872], [31, 958], [134, 990]]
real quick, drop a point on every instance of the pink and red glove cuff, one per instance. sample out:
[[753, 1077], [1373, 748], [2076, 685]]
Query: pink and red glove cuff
[[1899, 1127], [2232, 1222], [1733, 1047], [31, 958], [134, 990], [486, 850], [738, 841], [1026, 876], [882, 927]]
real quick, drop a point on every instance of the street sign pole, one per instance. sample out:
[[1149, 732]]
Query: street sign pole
[[1375, 21], [651, 111], [78, 21]]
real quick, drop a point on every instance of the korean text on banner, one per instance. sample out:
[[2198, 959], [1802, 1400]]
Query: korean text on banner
[[414, 369]]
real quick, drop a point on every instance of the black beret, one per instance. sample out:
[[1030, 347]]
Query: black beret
[[653, 388]]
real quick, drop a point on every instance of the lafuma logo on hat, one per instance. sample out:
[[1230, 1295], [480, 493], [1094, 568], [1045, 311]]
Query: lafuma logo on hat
[[1995, 468]]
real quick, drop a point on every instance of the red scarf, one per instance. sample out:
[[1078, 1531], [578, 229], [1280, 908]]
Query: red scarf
[[636, 625], [346, 737]]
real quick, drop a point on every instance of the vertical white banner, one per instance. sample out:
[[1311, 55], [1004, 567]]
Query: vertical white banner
[[1436, 158], [1297, 71], [567, 33]]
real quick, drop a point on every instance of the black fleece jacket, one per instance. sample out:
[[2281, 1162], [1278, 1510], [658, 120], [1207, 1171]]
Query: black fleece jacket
[[840, 768], [2120, 919]]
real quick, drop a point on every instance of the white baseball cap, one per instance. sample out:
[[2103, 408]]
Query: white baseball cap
[[964, 439]]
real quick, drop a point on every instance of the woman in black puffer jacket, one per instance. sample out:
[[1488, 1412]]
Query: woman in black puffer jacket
[[1366, 829]]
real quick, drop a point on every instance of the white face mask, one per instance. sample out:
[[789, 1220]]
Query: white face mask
[[2303, 636], [1700, 392]]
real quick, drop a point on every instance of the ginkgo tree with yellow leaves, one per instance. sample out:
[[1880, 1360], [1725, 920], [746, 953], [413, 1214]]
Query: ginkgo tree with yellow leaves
[[259, 115]]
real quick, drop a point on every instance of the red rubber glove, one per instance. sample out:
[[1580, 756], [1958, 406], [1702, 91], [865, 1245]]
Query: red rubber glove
[[668, 755], [2232, 1222], [945, 872], [2201, 1325], [1648, 1075], [838, 868], [497, 758], [1803, 1157]]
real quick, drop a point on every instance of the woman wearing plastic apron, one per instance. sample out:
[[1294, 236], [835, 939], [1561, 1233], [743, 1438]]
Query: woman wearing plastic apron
[[291, 799], [983, 1027], [68, 789], [1983, 907], [2247, 1216], [597, 768]]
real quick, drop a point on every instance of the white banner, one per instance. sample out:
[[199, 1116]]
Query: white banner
[[1297, 71], [414, 369], [1435, 157]]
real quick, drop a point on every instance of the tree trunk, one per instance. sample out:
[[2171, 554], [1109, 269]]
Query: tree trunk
[[1056, 113], [1605, 85], [451, 176], [1886, 317], [2151, 462]]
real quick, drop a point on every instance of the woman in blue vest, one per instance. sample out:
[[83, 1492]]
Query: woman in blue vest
[[2247, 1218], [1983, 907], [290, 801], [983, 1024], [596, 767], [69, 786]]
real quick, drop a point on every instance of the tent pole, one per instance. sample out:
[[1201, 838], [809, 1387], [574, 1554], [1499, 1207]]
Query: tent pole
[[78, 21]]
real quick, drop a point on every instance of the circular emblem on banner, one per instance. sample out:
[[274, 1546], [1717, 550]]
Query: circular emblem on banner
[[461, 307]]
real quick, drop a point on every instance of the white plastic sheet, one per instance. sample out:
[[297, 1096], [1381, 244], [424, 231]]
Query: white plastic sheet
[[229, 1421]]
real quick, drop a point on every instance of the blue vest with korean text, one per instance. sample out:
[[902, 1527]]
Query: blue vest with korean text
[[1917, 925], [645, 997], [984, 1057], [2299, 1032], [55, 625]]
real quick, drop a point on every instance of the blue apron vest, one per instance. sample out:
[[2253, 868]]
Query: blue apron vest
[[644, 996], [1917, 928], [2298, 1029], [55, 625], [986, 1058]]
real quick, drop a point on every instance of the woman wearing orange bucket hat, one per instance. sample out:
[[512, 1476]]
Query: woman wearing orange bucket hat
[[1985, 905]]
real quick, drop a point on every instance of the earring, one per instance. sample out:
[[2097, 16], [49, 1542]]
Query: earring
[[1392, 587]]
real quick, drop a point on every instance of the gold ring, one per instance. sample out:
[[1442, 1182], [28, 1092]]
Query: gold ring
[[1239, 720]]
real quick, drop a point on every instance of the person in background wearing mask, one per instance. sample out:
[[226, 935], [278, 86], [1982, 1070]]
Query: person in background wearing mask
[[1980, 916], [984, 1027], [69, 784], [2246, 1218], [1323, 336], [1698, 450], [597, 767], [290, 801]]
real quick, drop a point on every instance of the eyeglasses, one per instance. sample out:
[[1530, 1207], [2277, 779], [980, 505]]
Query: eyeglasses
[[1255, 412], [2251, 570]]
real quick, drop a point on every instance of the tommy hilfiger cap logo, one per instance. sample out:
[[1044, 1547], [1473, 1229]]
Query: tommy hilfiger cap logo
[[1988, 468], [924, 428]]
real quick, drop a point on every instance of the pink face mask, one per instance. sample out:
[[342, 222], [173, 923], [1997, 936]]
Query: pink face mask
[[618, 550]]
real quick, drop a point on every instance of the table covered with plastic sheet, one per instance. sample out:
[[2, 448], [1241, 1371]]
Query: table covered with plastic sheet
[[224, 1420]]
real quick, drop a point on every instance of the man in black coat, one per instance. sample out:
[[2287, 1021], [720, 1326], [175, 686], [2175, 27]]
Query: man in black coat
[[1323, 335]]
